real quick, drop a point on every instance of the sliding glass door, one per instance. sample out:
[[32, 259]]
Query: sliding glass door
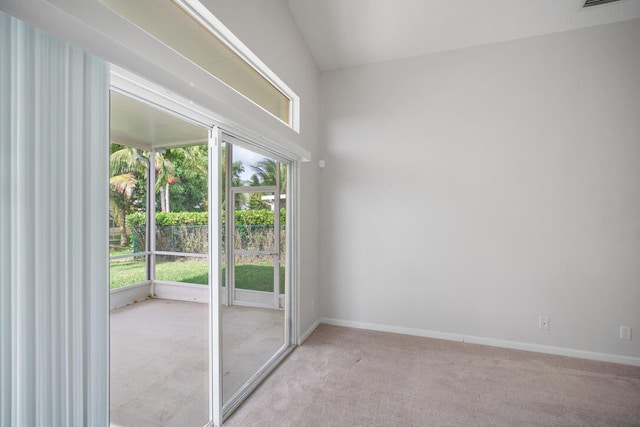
[[201, 268], [256, 316]]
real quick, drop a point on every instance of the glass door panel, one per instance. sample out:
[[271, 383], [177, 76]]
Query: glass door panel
[[256, 251], [251, 336], [254, 319], [255, 277]]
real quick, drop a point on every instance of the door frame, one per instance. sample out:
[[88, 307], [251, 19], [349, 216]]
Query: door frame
[[221, 131]]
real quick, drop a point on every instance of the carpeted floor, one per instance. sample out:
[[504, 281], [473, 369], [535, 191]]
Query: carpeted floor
[[350, 377]]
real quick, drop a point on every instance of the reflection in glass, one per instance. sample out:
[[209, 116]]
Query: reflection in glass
[[254, 319], [251, 336], [257, 274], [252, 169]]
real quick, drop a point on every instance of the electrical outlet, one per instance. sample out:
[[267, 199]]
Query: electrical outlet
[[625, 333], [543, 323]]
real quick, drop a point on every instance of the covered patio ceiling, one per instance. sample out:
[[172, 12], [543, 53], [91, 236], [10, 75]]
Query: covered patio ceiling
[[140, 125]]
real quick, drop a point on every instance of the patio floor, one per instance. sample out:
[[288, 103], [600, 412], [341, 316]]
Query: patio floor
[[160, 355]]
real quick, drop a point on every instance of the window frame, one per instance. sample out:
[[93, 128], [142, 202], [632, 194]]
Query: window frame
[[201, 14]]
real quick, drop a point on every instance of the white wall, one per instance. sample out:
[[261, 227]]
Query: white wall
[[470, 192]]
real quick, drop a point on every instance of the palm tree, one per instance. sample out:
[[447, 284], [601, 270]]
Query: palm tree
[[266, 174], [123, 167], [236, 170], [165, 176], [192, 162]]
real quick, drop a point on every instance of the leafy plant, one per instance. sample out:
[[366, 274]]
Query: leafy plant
[[243, 217]]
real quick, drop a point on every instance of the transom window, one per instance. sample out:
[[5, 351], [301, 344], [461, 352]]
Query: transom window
[[189, 28]]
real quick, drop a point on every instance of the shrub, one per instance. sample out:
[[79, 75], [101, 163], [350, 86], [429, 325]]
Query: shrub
[[164, 219], [187, 231]]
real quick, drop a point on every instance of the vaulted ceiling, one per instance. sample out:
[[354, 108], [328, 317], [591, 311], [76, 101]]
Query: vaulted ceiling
[[346, 33]]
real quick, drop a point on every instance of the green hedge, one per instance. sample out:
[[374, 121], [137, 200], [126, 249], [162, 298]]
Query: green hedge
[[165, 219]]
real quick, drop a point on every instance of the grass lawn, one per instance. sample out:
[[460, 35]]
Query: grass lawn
[[258, 277], [119, 250]]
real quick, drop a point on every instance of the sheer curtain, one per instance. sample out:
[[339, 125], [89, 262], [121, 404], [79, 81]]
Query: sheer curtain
[[53, 238]]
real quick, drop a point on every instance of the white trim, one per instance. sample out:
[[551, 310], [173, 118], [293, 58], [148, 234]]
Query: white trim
[[260, 299], [181, 291], [256, 147], [292, 266], [126, 295], [134, 86], [493, 342], [181, 254], [131, 255], [214, 288], [309, 331], [150, 216], [250, 252], [200, 13], [124, 288], [256, 189]]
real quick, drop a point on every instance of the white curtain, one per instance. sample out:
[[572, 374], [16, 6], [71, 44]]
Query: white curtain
[[53, 231]]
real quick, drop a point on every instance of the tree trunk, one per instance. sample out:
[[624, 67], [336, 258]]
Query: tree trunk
[[163, 204], [124, 241], [166, 197]]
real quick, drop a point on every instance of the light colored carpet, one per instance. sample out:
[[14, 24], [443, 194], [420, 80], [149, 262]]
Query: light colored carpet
[[350, 377]]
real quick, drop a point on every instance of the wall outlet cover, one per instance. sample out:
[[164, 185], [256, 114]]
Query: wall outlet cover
[[625, 333], [543, 323]]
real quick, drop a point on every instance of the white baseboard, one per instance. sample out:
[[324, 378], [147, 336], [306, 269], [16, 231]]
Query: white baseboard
[[126, 295], [308, 332], [181, 291], [537, 348]]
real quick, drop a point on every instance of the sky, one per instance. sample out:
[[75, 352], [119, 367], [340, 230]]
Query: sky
[[247, 158]]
